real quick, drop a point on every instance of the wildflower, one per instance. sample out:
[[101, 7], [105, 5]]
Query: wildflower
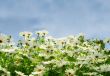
[[70, 53], [61, 63], [107, 40], [61, 42], [103, 68], [70, 72], [49, 62], [20, 73], [90, 74], [8, 50], [42, 33], [42, 47], [5, 71], [26, 34], [38, 33], [97, 48], [2, 38], [50, 47], [39, 70]]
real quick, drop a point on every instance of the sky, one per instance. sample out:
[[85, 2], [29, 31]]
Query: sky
[[59, 17]]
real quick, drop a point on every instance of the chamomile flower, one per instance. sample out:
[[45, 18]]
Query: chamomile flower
[[25, 34], [107, 40], [8, 50], [97, 48], [91, 74], [61, 41], [44, 32], [69, 72], [20, 73], [42, 46], [49, 62], [2, 38], [62, 63], [41, 33], [39, 70], [104, 68], [6, 72]]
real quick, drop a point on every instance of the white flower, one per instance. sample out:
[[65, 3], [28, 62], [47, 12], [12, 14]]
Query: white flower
[[8, 50], [39, 70], [41, 33], [49, 62], [42, 47], [25, 34], [61, 63], [44, 32], [2, 38], [38, 32], [104, 68], [97, 48], [107, 40], [90, 74], [70, 53], [7, 73], [20, 73], [70, 72]]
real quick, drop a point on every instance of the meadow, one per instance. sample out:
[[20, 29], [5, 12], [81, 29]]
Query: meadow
[[44, 55]]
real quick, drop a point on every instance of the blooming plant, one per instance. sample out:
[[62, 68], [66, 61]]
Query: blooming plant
[[44, 55]]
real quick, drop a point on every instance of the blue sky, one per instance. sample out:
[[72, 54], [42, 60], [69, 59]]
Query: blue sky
[[59, 17]]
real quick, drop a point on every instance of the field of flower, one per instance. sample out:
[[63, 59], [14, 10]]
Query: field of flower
[[44, 55]]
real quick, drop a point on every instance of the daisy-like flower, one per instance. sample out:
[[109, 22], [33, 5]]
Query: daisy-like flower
[[12, 50], [42, 47], [61, 63], [49, 62], [74, 42], [70, 53], [70, 72], [61, 42], [38, 33], [20, 73], [6, 72], [2, 38], [41, 33], [97, 48], [104, 68], [50, 46], [107, 40], [25, 34], [44, 32], [39, 70], [49, 39], [90, 74]]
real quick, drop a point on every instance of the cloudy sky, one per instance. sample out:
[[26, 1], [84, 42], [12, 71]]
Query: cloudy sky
[[59, 17]]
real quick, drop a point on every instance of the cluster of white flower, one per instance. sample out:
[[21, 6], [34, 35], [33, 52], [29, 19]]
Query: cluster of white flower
[[44, 55]]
